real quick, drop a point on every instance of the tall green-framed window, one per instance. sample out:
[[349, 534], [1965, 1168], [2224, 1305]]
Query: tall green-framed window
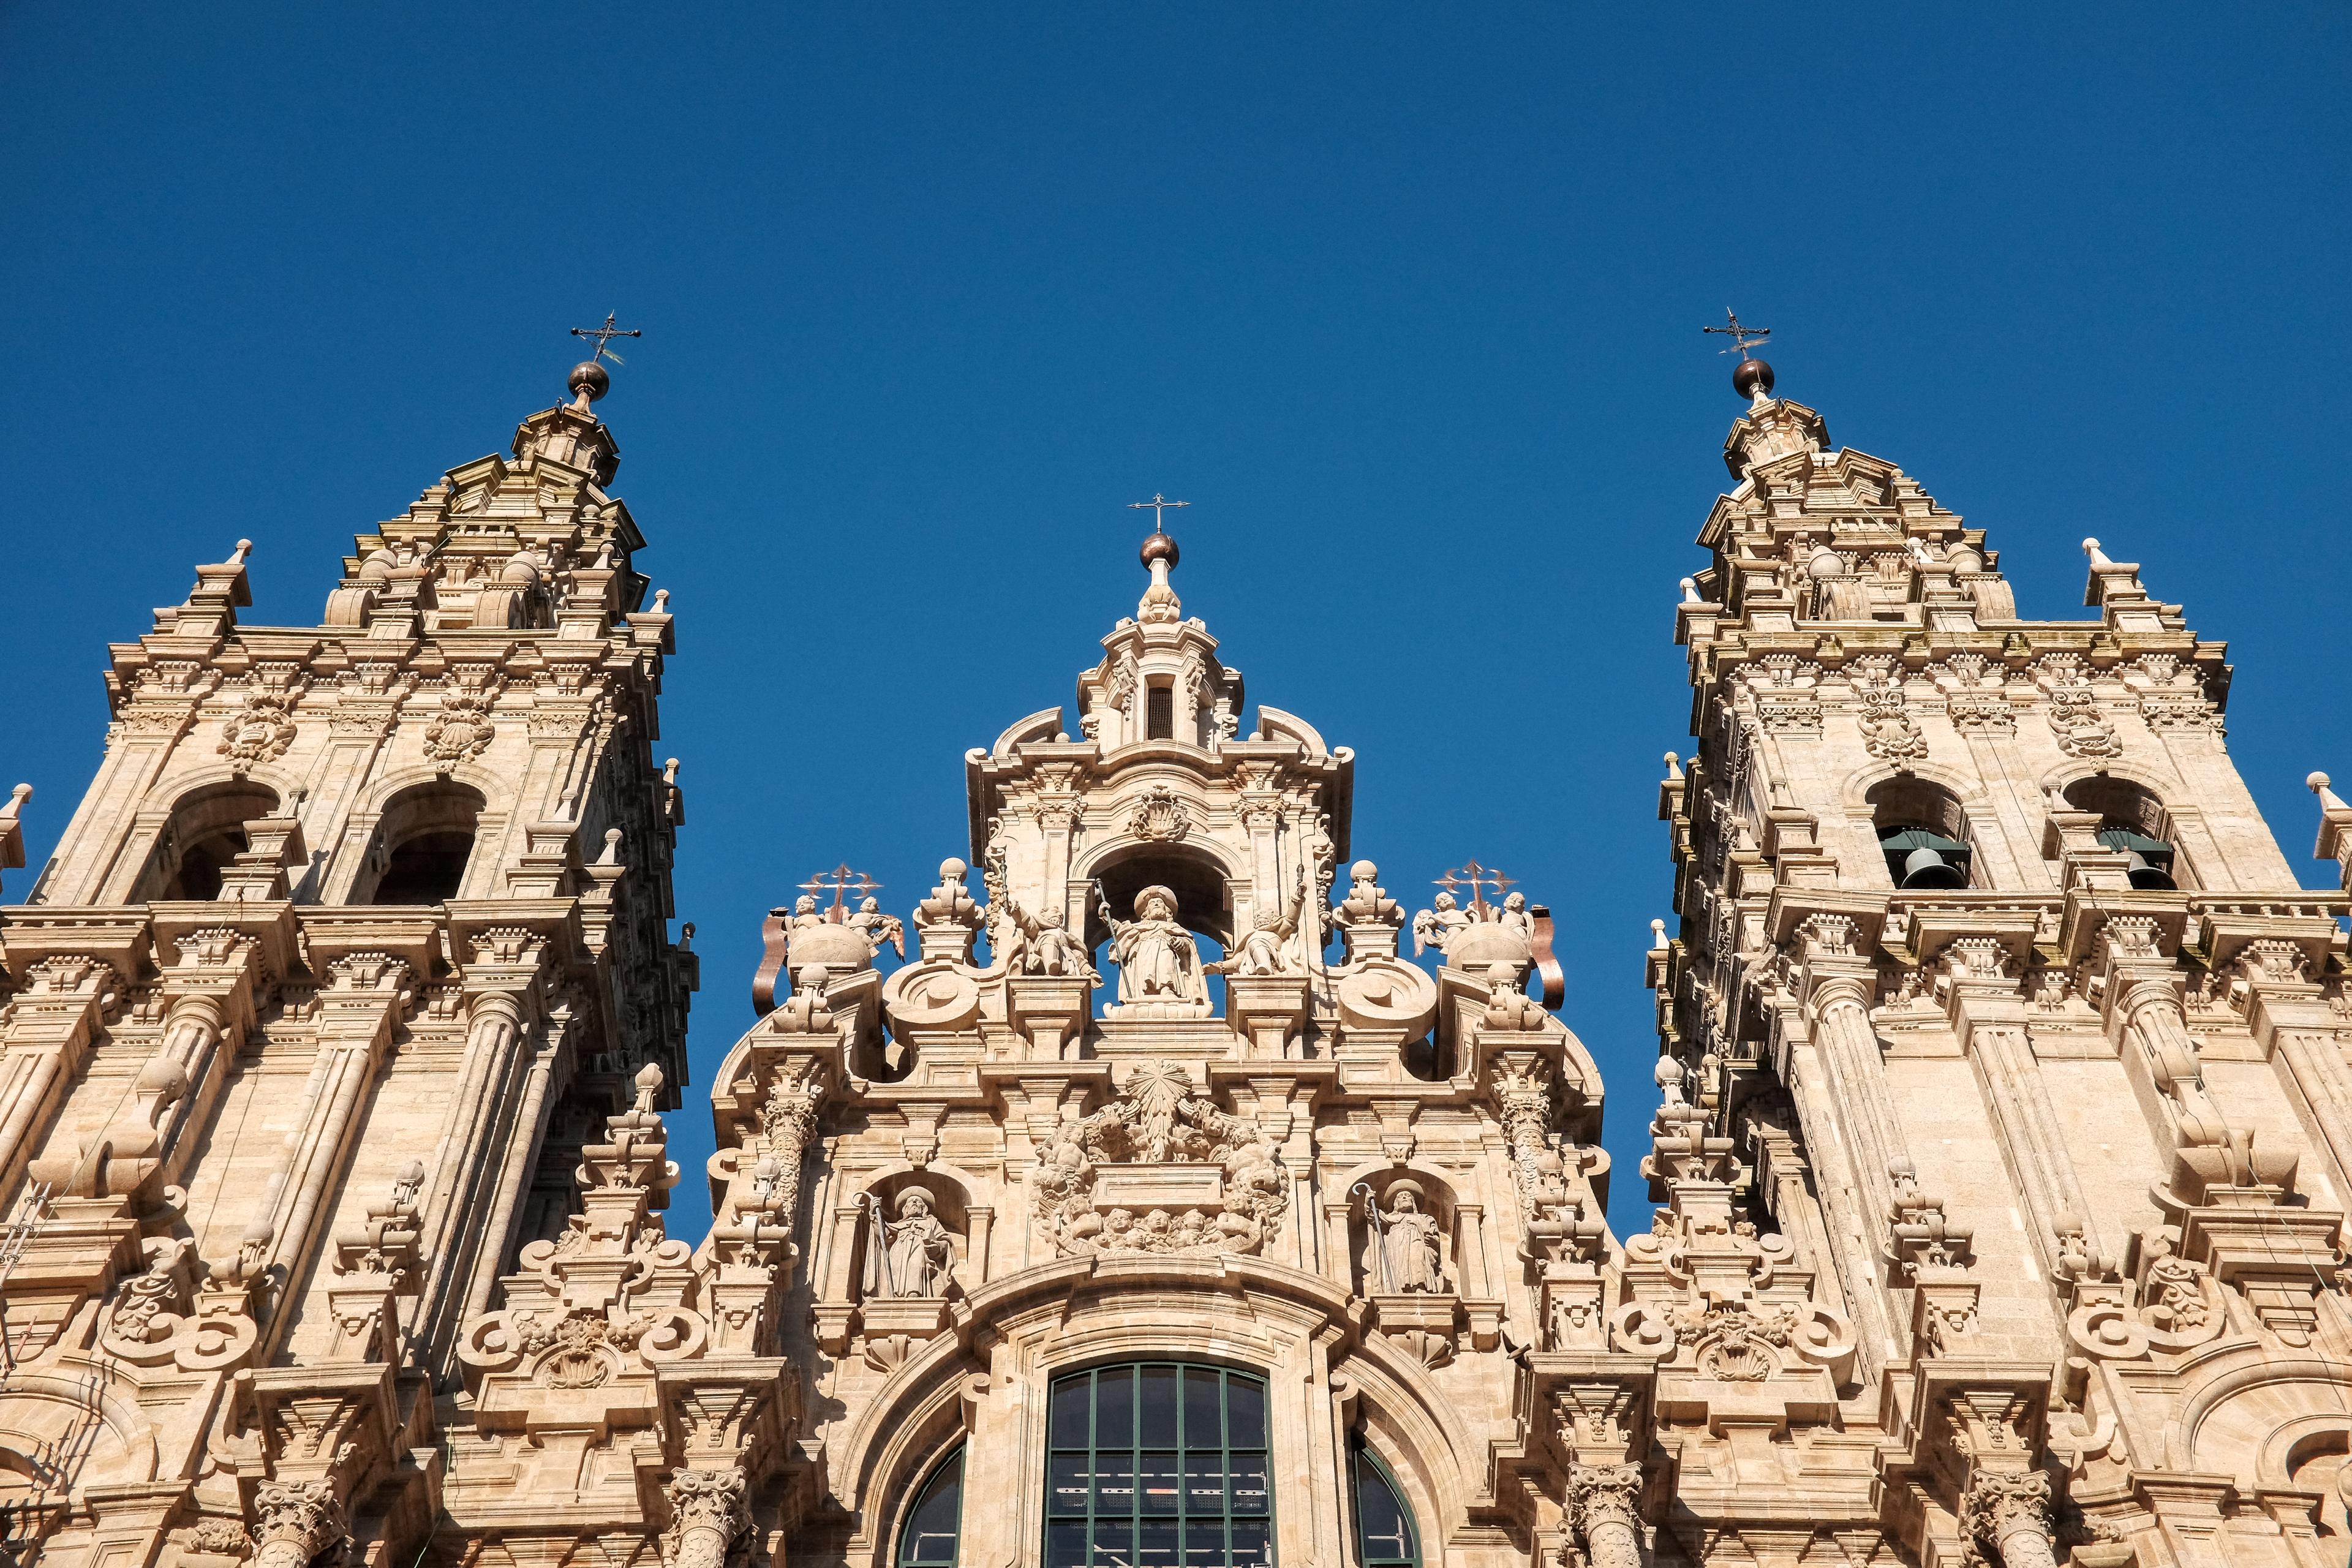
[[928, 1537], [1384, 1533], [1158, 1465]]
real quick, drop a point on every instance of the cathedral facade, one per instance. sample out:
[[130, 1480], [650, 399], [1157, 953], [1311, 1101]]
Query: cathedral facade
[[1139, 1197]]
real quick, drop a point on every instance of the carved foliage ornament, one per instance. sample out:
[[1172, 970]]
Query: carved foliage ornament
[[1888, 730]]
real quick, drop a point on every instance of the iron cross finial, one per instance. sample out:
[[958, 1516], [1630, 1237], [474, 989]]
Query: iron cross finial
[[1742, 338], [1470, 874], [604, 336], [1159, 504]]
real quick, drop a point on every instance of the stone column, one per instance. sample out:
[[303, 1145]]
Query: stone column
[[1604, 1510], [295, 1521], [1856, 1071], [462, 1165], [368, 991], [53, 1017], [2009, 1512], [523, 1138], [707, 1516], [1992, 1032]]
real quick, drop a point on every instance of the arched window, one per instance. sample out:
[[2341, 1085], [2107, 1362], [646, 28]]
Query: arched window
[[1923, 833], [1157, 1466], [422, 846], [928, 1539], [1384, 1533], [206, 833], [2132, 820]]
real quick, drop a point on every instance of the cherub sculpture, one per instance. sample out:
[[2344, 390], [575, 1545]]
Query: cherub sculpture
[[1436, 926], [877, 928]]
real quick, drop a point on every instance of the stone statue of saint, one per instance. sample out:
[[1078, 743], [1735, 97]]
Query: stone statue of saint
[[1409, 1248], [1158, 962], [917, 1252]]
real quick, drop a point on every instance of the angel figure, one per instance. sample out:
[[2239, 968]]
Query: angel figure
[[1157, 959], [1266, 949], [877, 928], [805, 913], [1514, 917], [1436, 927], [1048, 948]]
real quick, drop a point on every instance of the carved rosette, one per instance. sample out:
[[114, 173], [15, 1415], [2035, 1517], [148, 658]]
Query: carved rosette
[[708, 1518], [1604, 1510], [296, 1522]]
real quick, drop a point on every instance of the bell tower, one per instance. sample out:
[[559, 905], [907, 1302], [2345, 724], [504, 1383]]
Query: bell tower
[[358, 935], [1994, 997]]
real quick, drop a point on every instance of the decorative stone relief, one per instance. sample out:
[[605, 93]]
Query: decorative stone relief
[[1888, 730], [259, 732], [2081, 725], [1159, 815], [1161, 1169]]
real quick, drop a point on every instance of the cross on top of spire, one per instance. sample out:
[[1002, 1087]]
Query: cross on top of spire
[[1751, 378], [1160, 506], [604, 335], [1742, 338]]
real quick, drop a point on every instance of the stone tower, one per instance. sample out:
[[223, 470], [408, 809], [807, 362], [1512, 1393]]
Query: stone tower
[[1997, 1014], [314, 1021]]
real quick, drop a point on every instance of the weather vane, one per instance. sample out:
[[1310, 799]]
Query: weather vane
[[608, 331], [1158, 505], [1742, 338]]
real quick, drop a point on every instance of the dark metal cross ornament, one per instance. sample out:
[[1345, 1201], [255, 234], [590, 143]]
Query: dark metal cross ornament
[[1158, 505], [605, 333], [1742, 338], [838, 882]]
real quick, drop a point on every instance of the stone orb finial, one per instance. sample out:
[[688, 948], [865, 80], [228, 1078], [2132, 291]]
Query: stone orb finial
[[952, 867], [1667, 1073], [1363, 871], [2315, 784]]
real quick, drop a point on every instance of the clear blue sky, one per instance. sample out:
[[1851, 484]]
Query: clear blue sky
[[1405, 299]]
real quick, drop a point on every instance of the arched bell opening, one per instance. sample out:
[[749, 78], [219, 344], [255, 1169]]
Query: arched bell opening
[[421, 846], [1923, 833], [2132, 821], [206, 831]]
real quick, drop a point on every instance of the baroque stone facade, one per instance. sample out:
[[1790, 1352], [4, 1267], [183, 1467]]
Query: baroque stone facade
[[1152, 1207]]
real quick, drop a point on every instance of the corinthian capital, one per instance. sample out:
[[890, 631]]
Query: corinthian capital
[[707, 1516], [2009, 1510], [295, 1521], [1605, 1501]]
